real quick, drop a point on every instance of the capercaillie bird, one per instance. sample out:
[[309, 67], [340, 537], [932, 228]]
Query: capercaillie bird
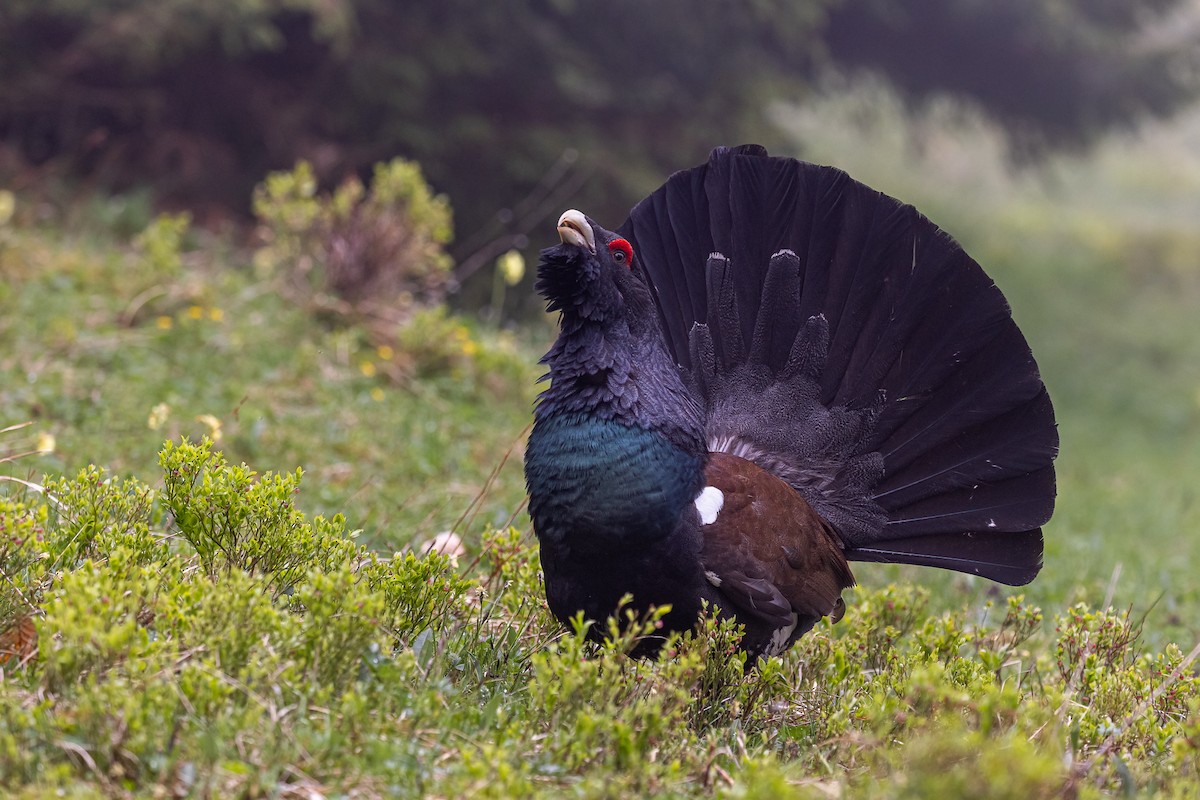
[[768, 371]]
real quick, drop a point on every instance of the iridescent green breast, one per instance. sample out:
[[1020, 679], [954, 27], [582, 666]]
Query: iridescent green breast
[[595, 482]]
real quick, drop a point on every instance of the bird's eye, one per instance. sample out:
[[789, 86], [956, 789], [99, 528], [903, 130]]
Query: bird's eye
[[622, 251]]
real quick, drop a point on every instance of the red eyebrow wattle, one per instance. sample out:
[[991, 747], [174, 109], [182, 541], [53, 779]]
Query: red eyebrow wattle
[[624, 246]]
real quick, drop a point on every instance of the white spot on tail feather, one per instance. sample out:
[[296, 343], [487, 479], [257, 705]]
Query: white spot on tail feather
[[713, 578], [779, 638], [709, 503]]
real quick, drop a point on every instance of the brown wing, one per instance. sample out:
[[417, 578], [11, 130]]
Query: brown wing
[[769, 553]]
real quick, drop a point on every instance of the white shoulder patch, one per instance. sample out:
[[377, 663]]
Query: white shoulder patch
[[709, 503]]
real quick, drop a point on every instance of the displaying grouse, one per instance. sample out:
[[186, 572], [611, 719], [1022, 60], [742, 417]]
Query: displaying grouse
[[768, 371]]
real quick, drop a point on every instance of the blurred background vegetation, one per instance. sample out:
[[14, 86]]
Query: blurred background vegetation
[[514, 108]]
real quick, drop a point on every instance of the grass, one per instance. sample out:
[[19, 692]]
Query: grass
[[178, 626], [111, 353]]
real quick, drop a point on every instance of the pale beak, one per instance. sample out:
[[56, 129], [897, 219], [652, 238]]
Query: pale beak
[[573, 228]]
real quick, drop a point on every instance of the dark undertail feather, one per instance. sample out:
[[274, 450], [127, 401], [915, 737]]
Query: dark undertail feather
[[843, 341]]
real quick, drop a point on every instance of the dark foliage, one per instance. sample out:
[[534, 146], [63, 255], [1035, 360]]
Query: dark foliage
[[1053, 73], [517, 106]]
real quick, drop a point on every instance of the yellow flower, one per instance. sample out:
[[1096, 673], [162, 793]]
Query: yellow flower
[[367, 368], [384, 352], [469, 348], [377, 394], [164, 323], [195, 312], [8, 206], [214, 426], [46, 442], [511, 266], [158, 416], [216, 314]]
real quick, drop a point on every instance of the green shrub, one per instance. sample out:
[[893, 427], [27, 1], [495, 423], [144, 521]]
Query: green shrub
[[211, 639], [377, 248], [418, 594], [96, 514], [98, 614], [235, 518], [161, 245], [341, 621], [22, 573]]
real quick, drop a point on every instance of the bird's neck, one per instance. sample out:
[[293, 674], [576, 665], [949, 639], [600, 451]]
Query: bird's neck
[[620, 371]]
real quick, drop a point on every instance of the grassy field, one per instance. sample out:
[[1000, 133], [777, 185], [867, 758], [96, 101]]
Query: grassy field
[[179, 627], [111, 351]]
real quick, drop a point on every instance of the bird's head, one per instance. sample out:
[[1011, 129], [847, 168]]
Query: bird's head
[[593, 274]]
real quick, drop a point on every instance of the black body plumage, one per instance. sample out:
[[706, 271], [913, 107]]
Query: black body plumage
[[781, 331]]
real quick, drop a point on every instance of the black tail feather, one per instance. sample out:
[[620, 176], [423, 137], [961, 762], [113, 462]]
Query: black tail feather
[[776, 326], [1005, 446], [841, 339], [723, 309], [1005, 506], [1013, 559]]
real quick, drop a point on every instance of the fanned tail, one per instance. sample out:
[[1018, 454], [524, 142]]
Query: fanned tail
[[843, 341]]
